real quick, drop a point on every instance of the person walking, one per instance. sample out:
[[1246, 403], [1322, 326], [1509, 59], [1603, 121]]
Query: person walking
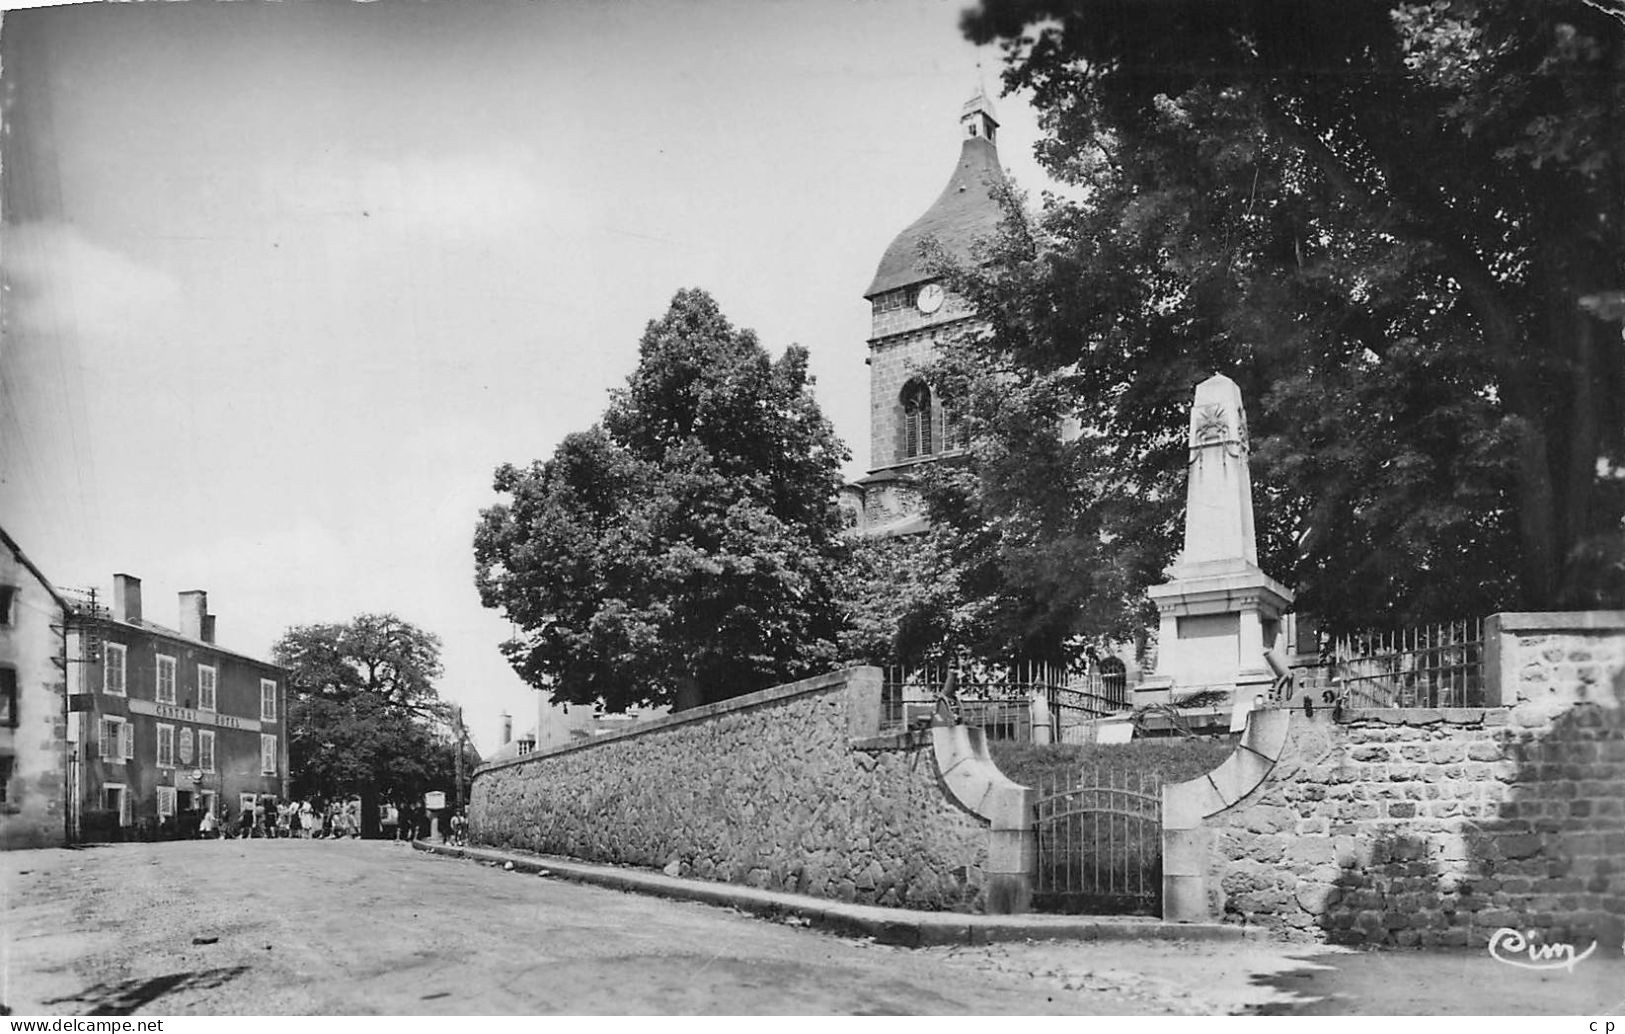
[[307, 820]]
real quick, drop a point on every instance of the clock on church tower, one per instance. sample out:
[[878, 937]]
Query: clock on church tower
[[909, 311]]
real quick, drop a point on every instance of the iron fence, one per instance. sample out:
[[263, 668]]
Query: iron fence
[[1099, 841], [1427, 666], [998, 697]]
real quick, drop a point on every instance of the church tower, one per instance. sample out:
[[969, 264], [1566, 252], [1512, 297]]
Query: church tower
[[911, 311]]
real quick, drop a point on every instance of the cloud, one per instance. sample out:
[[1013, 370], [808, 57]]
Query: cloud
[[61, 282]]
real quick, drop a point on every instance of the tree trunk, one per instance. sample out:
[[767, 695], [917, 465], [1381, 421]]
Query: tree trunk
[[688, 694], [369, 812]]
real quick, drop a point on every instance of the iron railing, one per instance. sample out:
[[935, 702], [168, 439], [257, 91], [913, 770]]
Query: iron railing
[[1427, 666], [998, 697], [1099, 840]]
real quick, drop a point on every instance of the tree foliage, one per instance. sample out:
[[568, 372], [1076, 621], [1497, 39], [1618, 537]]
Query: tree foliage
[[900, 602], [1382, 220], [684, 550], [364, 715]]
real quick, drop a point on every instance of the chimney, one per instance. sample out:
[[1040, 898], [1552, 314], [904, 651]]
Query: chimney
[[127, 598], [208, 628], [194, 606], [507, 729]]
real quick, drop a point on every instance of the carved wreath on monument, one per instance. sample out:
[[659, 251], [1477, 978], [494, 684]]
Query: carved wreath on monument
[[1212, 427]]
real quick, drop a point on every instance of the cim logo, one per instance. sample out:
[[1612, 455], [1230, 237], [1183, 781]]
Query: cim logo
[[1507, 944]]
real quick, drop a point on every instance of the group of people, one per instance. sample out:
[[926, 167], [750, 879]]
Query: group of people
[[414, 822], [271, 818]]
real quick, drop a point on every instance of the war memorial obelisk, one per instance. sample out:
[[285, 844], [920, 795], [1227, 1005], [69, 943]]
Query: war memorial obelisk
[[1218, 611]]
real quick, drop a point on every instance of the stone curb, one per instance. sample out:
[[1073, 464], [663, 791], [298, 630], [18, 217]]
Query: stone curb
[[900, 926]]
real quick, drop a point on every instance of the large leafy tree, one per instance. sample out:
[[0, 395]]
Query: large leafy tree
[[365, 717], [901, 603], [684, 550], [1391, 223]]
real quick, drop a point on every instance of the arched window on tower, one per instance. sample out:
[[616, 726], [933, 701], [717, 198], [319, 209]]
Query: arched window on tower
[[916, 420]]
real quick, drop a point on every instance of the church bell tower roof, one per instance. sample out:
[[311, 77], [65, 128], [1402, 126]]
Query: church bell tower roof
[[967, 209]]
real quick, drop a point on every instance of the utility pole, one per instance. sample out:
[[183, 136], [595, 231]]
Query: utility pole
[[457, 717]]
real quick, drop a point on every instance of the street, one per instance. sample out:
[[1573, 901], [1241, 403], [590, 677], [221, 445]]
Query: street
[[354, 927]]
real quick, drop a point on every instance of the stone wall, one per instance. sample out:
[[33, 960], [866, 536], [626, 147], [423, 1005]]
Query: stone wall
[[788, 789], [1437, 827]]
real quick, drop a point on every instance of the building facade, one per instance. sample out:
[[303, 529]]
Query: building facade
[[558, 724], [33, 705], [170, 724], [910, 312]]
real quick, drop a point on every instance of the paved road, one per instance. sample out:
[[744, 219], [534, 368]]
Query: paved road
[[290, 927]]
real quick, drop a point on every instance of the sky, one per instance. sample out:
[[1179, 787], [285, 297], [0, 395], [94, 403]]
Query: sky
[[284, 282]]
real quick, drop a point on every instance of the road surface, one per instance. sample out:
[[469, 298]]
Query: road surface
[[356, 927]]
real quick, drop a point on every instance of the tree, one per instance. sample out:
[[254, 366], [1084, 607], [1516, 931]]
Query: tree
[[1385, 222], [365, 717], [683, 550], [900, 602]]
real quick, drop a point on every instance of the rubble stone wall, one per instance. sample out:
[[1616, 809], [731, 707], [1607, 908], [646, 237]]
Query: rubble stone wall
[[788, 789], [1438, 827]]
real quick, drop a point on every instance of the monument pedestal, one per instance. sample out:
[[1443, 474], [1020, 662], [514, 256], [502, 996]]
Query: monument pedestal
[[1216, 620]]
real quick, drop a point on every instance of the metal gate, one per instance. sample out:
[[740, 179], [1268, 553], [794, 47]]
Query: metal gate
[[1099, 843]]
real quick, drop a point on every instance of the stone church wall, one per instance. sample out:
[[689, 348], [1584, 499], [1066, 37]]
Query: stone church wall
[[1440, 826], [892, 365], [788, 789], [903, 344]]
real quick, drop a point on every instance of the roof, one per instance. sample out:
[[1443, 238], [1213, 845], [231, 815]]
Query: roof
[[153, 628], [884, 475], [966, 210], [39, 576], [511, 748]]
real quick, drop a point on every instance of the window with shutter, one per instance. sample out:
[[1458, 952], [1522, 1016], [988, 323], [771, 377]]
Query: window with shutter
[[113, 670], [166, 746], [166, 679], [8, 697], [116, 741], [205, 750]]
